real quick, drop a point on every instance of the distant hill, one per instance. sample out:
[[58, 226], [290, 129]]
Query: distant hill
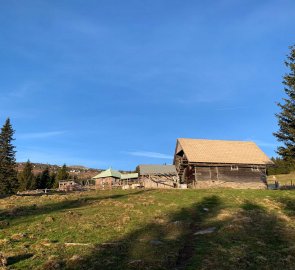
[[81, 172], [78, 167]]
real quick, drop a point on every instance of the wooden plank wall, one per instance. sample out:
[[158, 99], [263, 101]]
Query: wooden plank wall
[[218, 174]]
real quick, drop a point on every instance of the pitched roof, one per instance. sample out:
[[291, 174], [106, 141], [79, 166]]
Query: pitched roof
[[108, 173], [113, 173], [129, 176], [156, 169], [219, 151]]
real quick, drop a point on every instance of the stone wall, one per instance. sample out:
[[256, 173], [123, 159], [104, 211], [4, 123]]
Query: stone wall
[[203, 184], [157, 182], [104, 183]]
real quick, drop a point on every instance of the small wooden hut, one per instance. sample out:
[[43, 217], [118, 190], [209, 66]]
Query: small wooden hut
[[158, 176], [69, 185], [114, 179], [218, 163]]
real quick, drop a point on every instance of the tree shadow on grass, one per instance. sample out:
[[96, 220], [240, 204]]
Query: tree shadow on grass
[[288, 205], [157, 245], [253, 238], [15, 259], [34, 210], [250, 238]]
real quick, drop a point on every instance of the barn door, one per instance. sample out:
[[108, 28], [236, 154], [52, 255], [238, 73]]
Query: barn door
[[214, 173]]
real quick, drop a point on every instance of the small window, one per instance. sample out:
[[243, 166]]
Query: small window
[[255, 169], [234, 168]]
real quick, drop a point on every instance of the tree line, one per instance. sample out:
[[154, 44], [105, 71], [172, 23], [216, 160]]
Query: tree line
[[281, 166], [46, 179], [10, 180]]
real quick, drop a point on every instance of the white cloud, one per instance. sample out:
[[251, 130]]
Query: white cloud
[[263, 143], [150, 154], [266, 144], [40, 135]]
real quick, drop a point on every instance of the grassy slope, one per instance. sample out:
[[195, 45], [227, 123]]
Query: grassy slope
[[150, 230], [283, 179]]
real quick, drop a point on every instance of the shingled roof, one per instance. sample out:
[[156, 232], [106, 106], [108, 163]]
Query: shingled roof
[[157, 169], [219, 151]]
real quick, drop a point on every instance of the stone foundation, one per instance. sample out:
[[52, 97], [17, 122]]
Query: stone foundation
[[228, 184], [158, 182]]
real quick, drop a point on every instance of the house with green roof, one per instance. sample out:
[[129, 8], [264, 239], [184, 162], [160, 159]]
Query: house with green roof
[[110, 178]]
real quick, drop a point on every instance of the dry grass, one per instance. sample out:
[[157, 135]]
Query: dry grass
[[283, 179], [149, 230]]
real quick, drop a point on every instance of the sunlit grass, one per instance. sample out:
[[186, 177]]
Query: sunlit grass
[[283, 179], [144, 229]]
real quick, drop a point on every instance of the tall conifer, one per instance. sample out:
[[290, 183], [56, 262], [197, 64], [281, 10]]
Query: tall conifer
[[62, 173], [286, 118], [45, 179], [8, 174], [26, 177]]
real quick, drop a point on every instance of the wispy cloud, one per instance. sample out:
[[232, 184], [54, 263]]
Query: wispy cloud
[[232, 108], [194, 100], [150, 154], [263, 143], [203, 97], [23, 90], [267, 144], [40, 135]]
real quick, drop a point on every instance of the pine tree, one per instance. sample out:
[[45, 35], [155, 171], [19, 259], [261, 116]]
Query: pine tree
[[286, 118], [38, 184], [54, 181], [26, 177], [8, 173], [62, 173], [45, 179]]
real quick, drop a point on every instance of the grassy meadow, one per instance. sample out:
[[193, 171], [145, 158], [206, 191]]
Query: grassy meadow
[[283, 179], [149, 229]]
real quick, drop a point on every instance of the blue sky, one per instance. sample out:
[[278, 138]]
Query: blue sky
[[114, 83]]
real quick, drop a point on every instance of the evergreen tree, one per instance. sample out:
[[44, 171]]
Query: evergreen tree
[[62, 173], [45, 179], [286, 118], [8, 173], [38, 184], [54, 181], [26, 177], [281, 166]]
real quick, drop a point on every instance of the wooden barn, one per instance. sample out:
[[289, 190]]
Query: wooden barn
[[217, 163], [157, 176]]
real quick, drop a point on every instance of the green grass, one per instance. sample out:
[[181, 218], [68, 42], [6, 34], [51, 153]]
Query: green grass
[[150, 229], [283, 179]]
